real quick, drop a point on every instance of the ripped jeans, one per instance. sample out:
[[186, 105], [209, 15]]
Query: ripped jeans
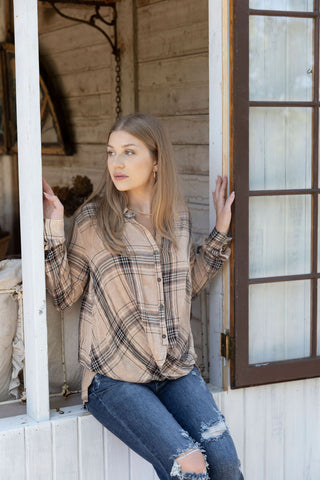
[[160, 420]]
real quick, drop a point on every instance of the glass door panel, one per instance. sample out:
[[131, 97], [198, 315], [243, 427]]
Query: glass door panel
[[281, 58], [318, 323], [285, 5], [280, 148], [279, 321], [318, 236], [279, 235]]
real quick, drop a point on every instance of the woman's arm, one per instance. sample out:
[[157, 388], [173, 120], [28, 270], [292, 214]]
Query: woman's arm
[[67, 270], [207, 259]]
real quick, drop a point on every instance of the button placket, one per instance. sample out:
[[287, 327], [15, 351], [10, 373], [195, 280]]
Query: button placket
[[158, 273]]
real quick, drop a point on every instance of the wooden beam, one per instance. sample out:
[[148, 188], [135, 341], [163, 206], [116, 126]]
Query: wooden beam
[[98, 3], [31, 212]]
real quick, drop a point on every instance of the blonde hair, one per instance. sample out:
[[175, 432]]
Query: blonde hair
[[166, 195]]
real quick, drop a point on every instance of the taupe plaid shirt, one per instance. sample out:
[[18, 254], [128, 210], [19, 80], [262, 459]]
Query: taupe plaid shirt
[[135, 312]]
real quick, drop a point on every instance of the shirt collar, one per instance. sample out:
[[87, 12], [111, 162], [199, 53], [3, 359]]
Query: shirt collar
[[128, 213]]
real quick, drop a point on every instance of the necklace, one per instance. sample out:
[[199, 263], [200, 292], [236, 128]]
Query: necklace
[[138, 211]]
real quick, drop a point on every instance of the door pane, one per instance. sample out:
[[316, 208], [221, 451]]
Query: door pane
[[318, 321], [318, 234], [279, 235], [281, 58], [280, 148], [293, 5], [279, 321]]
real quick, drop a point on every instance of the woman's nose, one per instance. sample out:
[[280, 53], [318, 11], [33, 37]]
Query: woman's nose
[[118, 160]]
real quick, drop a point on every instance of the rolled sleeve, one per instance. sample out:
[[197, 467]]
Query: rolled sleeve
[[218, 243], [207, 259]]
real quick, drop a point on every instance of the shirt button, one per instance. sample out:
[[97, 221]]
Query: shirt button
[[161, 306], [159, 279], [164, 336]]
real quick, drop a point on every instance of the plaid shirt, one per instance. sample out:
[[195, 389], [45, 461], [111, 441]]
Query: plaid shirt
[[135, 312]]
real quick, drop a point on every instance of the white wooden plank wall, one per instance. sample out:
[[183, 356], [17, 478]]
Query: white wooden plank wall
[[172, 57], [81, 65], [276, 429]]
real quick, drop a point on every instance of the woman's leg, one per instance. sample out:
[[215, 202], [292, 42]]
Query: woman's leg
[[191, 403], [134, 414]]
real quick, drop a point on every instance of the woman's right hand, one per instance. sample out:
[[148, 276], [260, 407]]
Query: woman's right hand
[[52, 207]]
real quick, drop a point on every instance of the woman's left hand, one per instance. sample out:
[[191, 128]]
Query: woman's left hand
[[222, 205]]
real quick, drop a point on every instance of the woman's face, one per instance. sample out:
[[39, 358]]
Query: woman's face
[[130, 162]]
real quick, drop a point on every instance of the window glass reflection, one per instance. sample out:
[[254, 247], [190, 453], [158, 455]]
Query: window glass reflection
[[281, 58]]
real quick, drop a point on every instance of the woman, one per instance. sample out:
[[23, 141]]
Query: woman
[[131, 257]]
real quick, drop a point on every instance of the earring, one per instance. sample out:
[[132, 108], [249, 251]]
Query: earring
[[154, 174]]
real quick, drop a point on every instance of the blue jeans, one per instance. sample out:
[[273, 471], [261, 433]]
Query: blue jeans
[[160, 420]]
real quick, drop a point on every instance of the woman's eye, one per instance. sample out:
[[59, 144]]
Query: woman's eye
[[129, 152], [110, 153]]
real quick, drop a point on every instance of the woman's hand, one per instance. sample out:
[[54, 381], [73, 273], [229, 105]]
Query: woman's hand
[[52, 207], [222, 205]]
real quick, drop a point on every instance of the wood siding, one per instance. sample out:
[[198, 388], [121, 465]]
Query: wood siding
[[173, 84]]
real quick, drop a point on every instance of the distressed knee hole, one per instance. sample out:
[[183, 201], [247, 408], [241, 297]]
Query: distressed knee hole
[[213, 431], [191, 461]]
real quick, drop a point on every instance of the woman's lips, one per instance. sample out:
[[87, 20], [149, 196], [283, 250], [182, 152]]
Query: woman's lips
[[120, 177]]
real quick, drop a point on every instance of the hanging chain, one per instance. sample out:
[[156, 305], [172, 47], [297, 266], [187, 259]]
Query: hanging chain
[[118, 85], [92, 23]]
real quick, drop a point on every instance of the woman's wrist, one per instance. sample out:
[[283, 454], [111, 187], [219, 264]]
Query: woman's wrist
[[222, 229]]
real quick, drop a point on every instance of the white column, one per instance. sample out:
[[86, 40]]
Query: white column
[[218, 165], [31, 213]]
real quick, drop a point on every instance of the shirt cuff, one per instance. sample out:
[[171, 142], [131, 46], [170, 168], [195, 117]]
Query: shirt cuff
[[53, 232], [218, 242]]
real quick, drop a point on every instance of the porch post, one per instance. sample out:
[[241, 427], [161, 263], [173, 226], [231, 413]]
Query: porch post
[[218, 165], [31, 213]]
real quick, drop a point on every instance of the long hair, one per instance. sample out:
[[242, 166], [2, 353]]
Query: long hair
[[166, 194]]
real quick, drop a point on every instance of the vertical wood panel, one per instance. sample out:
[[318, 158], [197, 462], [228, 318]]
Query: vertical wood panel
[[65, 449], [254, 424], [274, 426], [91, 454], [127, 41], [12, 455], [311, 413], [38, 452], [295, 431], [140, 469], [117, 458]]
